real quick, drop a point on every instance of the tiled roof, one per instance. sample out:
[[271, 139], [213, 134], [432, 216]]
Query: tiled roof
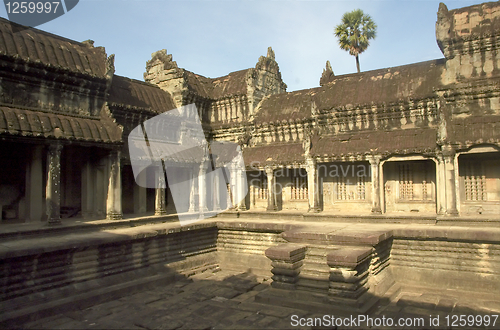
[[20, 122], [36, 46], [276, 154], [375, 142], [216, 88], [135, 93], [475, 130], [415, 81], [223, 152], [232, 84]]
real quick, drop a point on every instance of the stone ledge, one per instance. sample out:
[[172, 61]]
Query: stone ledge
[[18, 248], [342, 237], [450, 234], [255, 226]]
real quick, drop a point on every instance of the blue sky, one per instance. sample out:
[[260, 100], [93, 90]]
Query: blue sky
[[213, 38]]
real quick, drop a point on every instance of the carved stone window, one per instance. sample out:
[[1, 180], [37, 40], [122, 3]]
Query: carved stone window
[[351, 188], [262, 191], [474, 182], [415, 181], [299, 184], [406, 181]]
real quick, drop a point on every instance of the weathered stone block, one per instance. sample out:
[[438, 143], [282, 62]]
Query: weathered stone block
[[286, 252], [348, 257]]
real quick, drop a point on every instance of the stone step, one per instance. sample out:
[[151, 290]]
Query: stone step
[[315, 267], [314, 281]]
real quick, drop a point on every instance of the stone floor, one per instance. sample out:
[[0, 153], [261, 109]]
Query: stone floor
[[225, 300]]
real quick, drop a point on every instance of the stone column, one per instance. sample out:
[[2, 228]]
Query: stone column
[[451, 192], [241, 189], [440, 186], [34, 184], [312, 185], [140, 192], [114, 200], [375, 177], [192, 193], [233, 192], [202, 188], [271, 193], [160, 193], [53, 187], [88, 191], [216, 190]]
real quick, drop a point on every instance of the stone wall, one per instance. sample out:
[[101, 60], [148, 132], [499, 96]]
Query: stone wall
[[450, 264], [60, 267]]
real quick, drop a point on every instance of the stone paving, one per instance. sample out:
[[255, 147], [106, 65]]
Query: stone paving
[[225, 300]]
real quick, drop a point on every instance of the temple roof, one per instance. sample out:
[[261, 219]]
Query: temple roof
[[475, 130], [275, 154], [36, 46], [414, 81], [375, 142], [216, 88], [28, 123], [134, 93]]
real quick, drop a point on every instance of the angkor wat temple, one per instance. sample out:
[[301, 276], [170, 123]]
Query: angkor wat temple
[[419, 142]]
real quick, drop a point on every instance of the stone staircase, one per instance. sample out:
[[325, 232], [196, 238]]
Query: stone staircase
[[347, 271], [315, 272]]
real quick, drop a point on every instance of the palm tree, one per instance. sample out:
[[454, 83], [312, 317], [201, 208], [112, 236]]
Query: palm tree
[[355, 32]]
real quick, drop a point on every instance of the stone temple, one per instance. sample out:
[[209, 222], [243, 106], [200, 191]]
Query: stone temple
[[377, 193]]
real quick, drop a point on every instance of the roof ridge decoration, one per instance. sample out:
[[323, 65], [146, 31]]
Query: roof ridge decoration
[[187, 87], [327, 75], [162, 57], [263, 80]]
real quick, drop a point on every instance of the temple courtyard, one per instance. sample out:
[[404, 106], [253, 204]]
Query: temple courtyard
[[221, 299], [219, 280]]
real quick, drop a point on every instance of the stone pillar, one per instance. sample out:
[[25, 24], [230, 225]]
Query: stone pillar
[[271, 193], [233, 186], [160, 192], [216, 190], [88, 191], [192, 193], [451, 192], [241, 189], [376, 184], [34, 182], [312, 185], [440, 186], [202, 188], [53, 188], [287, 259], [140, 192], [114, 200]]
